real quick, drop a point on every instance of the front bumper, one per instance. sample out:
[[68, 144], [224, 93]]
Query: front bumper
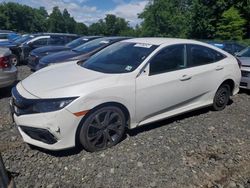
[[245, 79], [8, 76], [53, 130]]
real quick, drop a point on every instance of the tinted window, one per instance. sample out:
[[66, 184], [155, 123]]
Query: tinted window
[[77, 42], [201, 55], [245, 53], [4, 36], [57, 40], [120, 57], [168, 59], [40, 42], [92, 45]]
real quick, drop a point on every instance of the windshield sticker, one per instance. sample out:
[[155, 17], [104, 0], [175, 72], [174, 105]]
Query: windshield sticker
[[141, 45], [128, 68], [104, 42], [85, 39]]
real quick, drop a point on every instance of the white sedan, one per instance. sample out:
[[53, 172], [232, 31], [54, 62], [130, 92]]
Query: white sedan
[[126, 85]]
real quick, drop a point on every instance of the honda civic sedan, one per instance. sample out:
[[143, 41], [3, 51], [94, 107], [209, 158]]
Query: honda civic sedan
[[128, 84]]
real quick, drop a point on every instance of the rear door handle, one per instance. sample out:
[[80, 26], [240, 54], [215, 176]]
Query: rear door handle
[[185, 78], [219, 68]]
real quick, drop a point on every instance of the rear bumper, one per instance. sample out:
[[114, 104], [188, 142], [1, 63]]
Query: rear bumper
[[8, 76], [245, 79]]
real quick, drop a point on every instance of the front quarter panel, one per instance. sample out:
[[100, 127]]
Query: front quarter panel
[[122, 92]]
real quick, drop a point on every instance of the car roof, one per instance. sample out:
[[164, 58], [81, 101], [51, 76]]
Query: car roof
[[160, 40], [54, 34]]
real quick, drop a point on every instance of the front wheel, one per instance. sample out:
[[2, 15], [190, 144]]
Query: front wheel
[[102, 129], [222, 97]]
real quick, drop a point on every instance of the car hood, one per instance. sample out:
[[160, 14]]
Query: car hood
[[45, 49], [60, 57], [244, 60], [66, 80]]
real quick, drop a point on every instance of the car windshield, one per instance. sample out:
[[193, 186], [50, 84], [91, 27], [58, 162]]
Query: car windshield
[[244, 53], [23, 39], [120, 57], [92, 45], [77, 42]]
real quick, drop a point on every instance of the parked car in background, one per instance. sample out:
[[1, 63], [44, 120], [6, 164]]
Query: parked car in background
[[128, 84], [244, 57], [6, 35], [230, 47], [8, 72], [23, 49], [80, 53], [36, 54]]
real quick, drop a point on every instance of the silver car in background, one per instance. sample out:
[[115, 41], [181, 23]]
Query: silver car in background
[[244, 57], [8, 72]]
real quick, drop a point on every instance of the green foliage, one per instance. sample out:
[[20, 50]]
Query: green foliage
[[200, 19], [230, 26], [110, 26], [166, 18]]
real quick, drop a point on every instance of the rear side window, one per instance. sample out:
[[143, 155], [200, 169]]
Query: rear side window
[[168, 59], [41, 42], [57, 40], [201, 55], [4, 36]]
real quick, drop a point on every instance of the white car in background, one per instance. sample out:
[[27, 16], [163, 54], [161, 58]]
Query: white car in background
[[244, 57], [8, 72], [128, 84]]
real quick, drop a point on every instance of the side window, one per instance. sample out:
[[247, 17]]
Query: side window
[[40, 42], [201, 55], [168, 59], [57, 40]]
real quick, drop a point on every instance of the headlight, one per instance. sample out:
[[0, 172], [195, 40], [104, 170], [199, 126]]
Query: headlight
[[50, 105]]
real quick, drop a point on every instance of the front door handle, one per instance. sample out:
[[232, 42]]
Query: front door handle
[[185, 78], [219, 68]]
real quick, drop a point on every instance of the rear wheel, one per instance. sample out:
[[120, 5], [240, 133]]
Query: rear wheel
[[102, 129], [221, 97]]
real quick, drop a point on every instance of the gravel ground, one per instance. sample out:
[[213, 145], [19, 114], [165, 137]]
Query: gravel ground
[[198, 149]]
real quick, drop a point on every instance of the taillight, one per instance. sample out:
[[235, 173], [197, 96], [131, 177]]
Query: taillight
[[239, 62], [5, 62]]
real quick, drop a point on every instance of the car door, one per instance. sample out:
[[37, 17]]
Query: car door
[[164, 85], [206, 67]]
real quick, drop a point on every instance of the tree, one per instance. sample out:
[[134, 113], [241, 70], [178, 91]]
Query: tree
[[81, 29], [110, 26], [230, 26], [56, 21], [166, 18]]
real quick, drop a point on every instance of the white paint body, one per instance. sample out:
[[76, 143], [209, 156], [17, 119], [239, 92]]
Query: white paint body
[[147, 98]]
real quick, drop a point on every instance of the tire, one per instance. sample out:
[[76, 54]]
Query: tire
[[102, 129], [14, 60], [222, 97]]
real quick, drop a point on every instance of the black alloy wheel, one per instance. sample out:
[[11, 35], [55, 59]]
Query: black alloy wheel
[[103, 128]]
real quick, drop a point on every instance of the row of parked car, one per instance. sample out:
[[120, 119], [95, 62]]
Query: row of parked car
[[95, 87]]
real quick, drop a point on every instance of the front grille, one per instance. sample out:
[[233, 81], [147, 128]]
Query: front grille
[[245, 74]]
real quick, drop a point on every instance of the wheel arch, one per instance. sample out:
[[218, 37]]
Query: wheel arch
[[231, 84]]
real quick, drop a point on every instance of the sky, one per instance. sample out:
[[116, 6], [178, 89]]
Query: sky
[[90, 11]]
